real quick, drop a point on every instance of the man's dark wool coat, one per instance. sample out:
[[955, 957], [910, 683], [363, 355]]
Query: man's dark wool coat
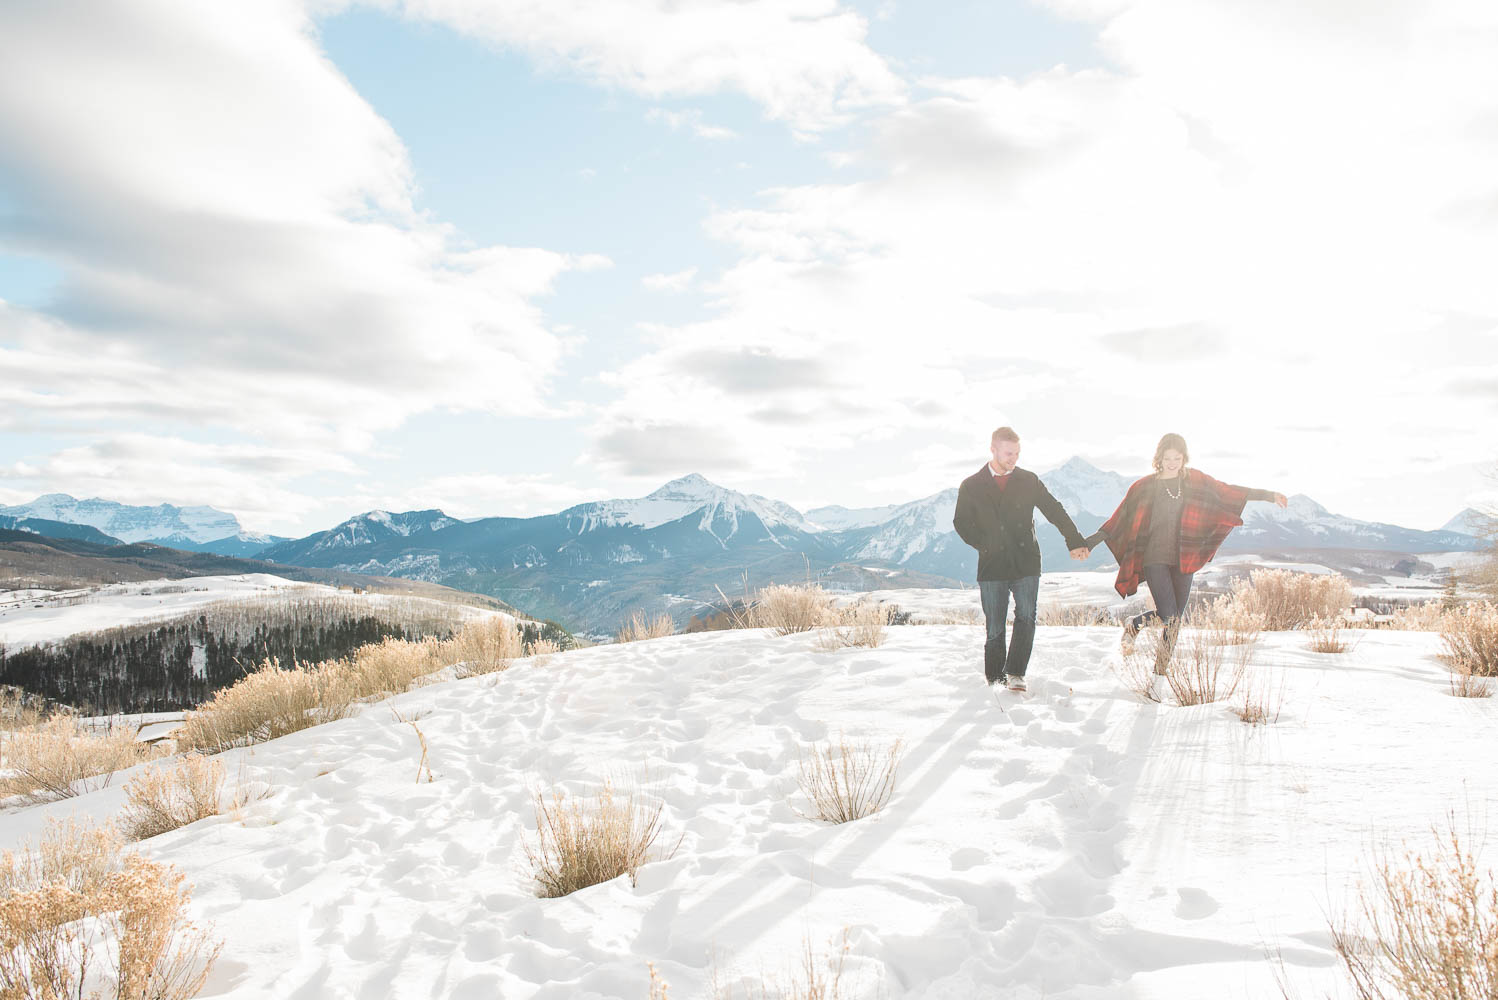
[[1000, 524]]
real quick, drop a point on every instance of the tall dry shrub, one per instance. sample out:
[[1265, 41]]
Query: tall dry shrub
[[59, 758], [786, 608], [79, 919], [165, 798], [485, 646], [1286, 599], [268, 703], [585, 841], [1424, 617], [1470, 636], [392, 666], [641, 627], [1425, 929]]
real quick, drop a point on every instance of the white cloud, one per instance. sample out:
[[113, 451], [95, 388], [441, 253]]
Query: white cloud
[[806, 62], [1264, 219], [692, 118], [238, 240], [678, 281]]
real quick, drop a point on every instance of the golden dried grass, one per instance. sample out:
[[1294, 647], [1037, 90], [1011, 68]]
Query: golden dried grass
[[844, 781]]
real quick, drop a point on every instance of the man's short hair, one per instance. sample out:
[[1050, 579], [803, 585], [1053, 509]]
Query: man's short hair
[[1004, 434]]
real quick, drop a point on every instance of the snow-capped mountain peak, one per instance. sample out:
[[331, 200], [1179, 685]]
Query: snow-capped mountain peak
[[161, 523], [720, 509]]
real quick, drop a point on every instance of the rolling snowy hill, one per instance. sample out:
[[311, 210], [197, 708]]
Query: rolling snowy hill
[[1075, 845]]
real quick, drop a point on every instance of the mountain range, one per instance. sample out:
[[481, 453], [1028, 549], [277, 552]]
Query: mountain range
[[591, 565]]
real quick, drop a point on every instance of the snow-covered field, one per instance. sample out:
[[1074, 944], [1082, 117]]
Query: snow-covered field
[[44, 617], [1075, 843]]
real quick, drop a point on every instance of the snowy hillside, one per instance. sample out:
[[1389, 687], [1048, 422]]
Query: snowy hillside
[[32, 617], [1075, 845]]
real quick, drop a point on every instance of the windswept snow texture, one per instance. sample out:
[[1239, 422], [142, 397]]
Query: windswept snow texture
[[1073, 844]]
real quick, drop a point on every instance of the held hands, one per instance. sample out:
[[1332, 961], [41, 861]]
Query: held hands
[[1081, 553]]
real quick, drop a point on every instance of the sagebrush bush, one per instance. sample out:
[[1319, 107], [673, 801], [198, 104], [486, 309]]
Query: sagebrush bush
[[640, 627], [79, 919], [59, 758], [846, 781], [1470, 635], [268, 703], [786, 609], [585, 841], [1286, 599], [1425, 929], [71, 853], [485, 646], [164, 798]]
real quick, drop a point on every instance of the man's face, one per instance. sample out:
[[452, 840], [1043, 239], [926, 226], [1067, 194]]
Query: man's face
[[1005, 455]]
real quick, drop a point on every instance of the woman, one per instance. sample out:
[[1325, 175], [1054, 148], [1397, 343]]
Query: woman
[[1169, 526]]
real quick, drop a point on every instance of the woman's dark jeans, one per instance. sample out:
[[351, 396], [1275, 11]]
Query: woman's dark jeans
[[1170, 588]]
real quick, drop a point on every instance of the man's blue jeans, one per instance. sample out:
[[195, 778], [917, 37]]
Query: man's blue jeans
[[995, 595]]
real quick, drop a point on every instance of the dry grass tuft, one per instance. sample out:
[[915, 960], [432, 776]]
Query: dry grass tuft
[[582, 842], [1287, 600], [847, 781], [640, 627], [485, 646], [955, 616], [1203, 671], [1137, 668], [1327, 636], [59, 758], [1074, 615], [1426, 929], [1261, 695], [821, 976], [74, 912], [859, 624], [541, 651], [786, 609], [269, 703], [1228, 622], [165, 798]]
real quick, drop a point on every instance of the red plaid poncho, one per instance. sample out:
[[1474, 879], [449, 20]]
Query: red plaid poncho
[[1209, 511]]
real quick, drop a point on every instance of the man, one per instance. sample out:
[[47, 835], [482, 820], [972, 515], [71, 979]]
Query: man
[[996, 515]]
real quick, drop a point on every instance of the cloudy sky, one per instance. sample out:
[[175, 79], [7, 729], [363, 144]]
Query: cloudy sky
[[299, 259]]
